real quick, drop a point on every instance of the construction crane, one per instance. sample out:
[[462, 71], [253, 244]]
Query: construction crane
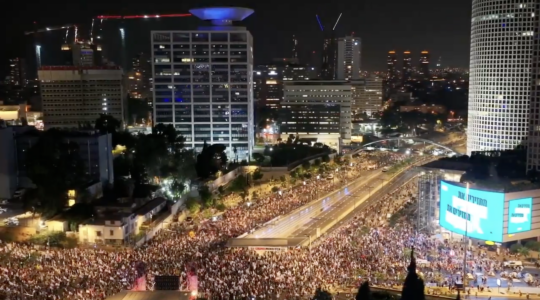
[[36, 31], [122, 29], [119, 17], [93, 30], [328, 66]]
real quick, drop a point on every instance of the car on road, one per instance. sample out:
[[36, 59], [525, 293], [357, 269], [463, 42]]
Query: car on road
[[385, 169]]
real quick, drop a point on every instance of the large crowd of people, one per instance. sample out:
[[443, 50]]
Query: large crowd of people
[[351, 252]]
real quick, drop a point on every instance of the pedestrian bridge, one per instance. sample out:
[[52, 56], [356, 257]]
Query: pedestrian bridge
[[416, 139]]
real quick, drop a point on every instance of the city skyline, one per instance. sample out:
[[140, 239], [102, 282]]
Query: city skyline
[[368, 20]]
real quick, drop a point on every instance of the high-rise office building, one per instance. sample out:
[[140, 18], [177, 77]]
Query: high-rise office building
[[139, 77], [74, 96], [423, 66], [269, 80], [533, 142], [367, 95], [17, 72], [407, 66], [82, 54], [328, 66], [348, 58], [391, 63], [203, 81], [318, 110], [502, 40]]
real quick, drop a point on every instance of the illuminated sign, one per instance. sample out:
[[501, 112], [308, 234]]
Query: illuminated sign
[[475, 213], [519, 215]]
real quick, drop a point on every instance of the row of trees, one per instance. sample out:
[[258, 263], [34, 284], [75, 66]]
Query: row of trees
[[54, 164], [240, 185], [283, 154], [405, 122]]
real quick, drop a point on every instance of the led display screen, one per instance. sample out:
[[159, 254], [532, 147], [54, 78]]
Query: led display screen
[[475, 213], [519, 215]]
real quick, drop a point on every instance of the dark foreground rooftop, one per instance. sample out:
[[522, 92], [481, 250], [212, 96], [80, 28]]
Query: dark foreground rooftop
[[150, 295]]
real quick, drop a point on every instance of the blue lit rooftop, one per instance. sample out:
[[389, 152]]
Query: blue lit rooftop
[[222, 13]]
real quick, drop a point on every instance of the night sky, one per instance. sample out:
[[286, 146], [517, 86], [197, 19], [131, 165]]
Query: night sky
[[441, 27]]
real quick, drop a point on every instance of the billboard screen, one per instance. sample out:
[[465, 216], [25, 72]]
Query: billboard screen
[[519, 215], [478, 214]]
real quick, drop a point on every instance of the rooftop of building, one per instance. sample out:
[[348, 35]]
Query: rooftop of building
[[149, 206], [222, 13], [76, 68], [76, 133], [501, 171], [315, 82], [116, 216]]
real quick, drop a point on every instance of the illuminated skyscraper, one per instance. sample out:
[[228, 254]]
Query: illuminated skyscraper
[[502, 40], [407, 66], [424, 64], [392, 67], [17, 72], [348, 58], [203, 81], [533, 145]]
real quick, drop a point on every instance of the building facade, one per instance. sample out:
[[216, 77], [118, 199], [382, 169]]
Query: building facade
[[423, 66], [17, 72], [8, 166], [348, 58], [391, 62], [500, 73], [317, 109], [269, 80], [139, 78], [407, 67], [203, 85], [367, 95], [533, 142], [73, 95], [95, 151]]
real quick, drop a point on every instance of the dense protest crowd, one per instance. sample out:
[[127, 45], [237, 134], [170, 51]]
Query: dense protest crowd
[[351, 251]]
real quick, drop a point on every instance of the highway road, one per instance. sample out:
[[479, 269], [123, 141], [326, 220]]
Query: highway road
[[341, 212], [285, 225], [316, 217]]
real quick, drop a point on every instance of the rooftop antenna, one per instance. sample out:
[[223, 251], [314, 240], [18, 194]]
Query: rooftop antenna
[[320, 24], [337, 21]]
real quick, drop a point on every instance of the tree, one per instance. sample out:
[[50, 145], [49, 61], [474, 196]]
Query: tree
[[177, 188], [325, 158], [235, 151], [239, 184], [306, 166], [259, 158], [107, 124], [363, 292], [207, 197], [193, 205], [257, 175], [210, 160], [413, 287], [152, 154]]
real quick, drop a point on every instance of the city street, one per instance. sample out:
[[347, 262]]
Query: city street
[[327, 206]]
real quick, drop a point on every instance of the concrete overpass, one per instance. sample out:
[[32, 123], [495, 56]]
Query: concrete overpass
[[416, 139]]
